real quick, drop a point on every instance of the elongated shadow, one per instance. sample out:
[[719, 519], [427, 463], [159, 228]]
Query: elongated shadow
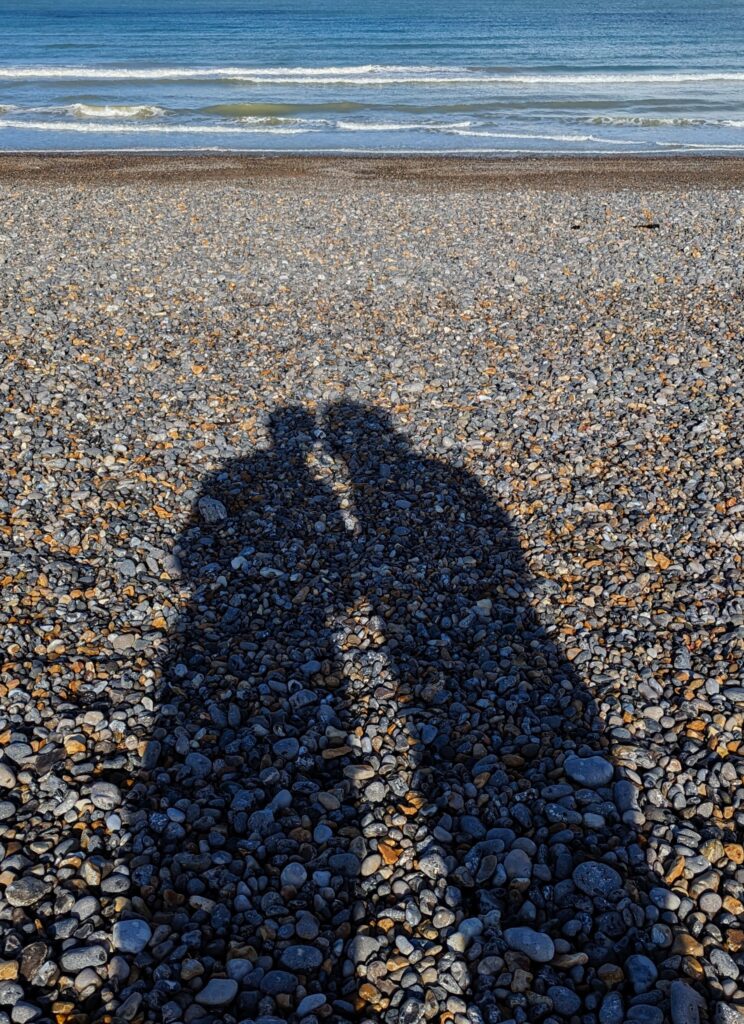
[[376, 788], [546, 880], [246, 828]]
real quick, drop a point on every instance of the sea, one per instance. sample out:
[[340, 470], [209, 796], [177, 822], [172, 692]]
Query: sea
[[351, 76]]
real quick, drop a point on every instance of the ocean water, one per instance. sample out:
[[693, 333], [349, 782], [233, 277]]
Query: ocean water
[[490, 76]]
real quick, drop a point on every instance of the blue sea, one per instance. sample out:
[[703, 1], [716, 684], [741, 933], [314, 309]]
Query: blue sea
[[431, 76]]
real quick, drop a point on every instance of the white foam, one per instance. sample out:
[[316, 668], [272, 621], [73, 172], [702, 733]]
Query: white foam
[[735, 147], [308, 73], [639, 121], [312, 127], [398, 126], [380, 74], [113, 110], [291, 77], [486, 134], [136, 129]]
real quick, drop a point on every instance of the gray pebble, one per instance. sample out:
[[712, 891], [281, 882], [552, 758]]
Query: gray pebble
[[536, 945], [131, 935], [218, 992]]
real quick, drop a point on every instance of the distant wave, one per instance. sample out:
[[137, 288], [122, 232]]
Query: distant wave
[[485, 133], [639, 121], [260, 126], [191, 129], [398, 126], [105, 111], [83, 71], [311, 127], [734, 147], [114, 110], [371, 74], [244, 110]]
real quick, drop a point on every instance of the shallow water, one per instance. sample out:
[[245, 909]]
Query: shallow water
[[486, 76]]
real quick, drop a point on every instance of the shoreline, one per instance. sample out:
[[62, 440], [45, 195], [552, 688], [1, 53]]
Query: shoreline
[[539, 171]]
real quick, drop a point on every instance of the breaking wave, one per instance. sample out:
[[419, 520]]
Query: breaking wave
[[367, 74], [159, 129], [488, 134], [113, 110]]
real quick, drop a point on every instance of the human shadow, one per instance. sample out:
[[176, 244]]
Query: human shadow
[[244, 831], [545, 877], [376, 788]]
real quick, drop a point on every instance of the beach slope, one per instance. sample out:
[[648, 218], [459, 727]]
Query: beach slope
[[371, 589]]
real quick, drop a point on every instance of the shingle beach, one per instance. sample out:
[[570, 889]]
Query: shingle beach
[[371, 609]]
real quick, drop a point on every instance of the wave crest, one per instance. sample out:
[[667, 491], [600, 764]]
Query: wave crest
[[111, 110], [380, 74], [399, 126], [138, 129], [526, 136]]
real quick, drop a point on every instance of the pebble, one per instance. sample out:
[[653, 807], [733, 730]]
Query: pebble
[[593, 772], [212, 510], [536, 945], [596, 879], [278, 983], [686, 1004], [565, 1001], [727, 1015], [310, 1004], [301, 958], [294, 874], [80, 957], [612, 1010], [131, 935], [641, 971], [218, 992], [26, 891], [105, 795], [10, 993]]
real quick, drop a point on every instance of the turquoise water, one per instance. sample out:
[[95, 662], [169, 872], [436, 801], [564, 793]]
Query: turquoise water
[[382, 75]]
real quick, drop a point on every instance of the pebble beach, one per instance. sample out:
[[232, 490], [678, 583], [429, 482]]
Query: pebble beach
[[371, 608]]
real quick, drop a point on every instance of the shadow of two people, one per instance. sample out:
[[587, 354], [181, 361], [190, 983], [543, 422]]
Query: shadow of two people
[[376, 789]]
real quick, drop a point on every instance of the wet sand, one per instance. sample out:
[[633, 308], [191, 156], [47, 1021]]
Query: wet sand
[[538, 172]]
